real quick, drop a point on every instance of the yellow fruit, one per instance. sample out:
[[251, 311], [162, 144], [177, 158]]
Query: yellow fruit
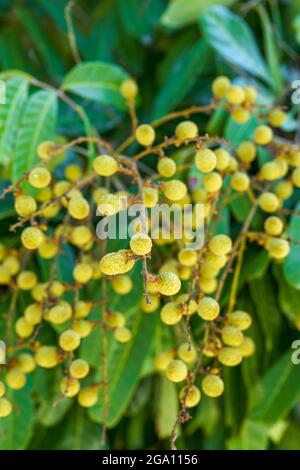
[[47, 357], [233, 165], [45, 148], [25, 363], [26, 280], [205, 160], [39, 177], [69, 386], [48, 249], [220, 86], [150, 197], [240, 181], [44, 195], [208, 308], [5, 408], [33, 314], [295, 158], [187, 257], [278, 248], [15, 379], [209, 270], [168, 283], [5, 275], [82, 309], [163, 359], [176, 371], [25, 206], [284, 190], [240, 319], [82, 273], [232, 336], [207, 285], [51, 210], [270, 171], [109, 204], [277, 117], [273, 226], [229, 356], [145, 135], [187, 352], [220, 245], [296, 177], [246, 151], [73, 172], [83, 328], [119, 262], [122, 335], [186, 130], [250, 95], [187, 305], [211, 347], [59, 314], [141, 244], [122, 284], [235, 94], [216, 260], [88, 396], [78, 208], [166, 167], [56, 289], [69, 340], [105, 165], [223, 159], [32, 238], [240, 114], [212, 386], [170, 314], [23, 328], [263, 135], [213, 182], [247, 347], [268, 202], [81, 235], [190, 395], [61, 187], [115, 320], [174, 190], [79, 368], [129, 89], [2, 389], [153, 306]]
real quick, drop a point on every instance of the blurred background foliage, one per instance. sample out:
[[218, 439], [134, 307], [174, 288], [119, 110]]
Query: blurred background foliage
[[173, 49]]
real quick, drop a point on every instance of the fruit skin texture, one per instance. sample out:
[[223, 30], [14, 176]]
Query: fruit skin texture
[[44, 149], [153, 306], [273, 226], [4, 276], [229, 356], [88, 396], [168, 283], [223, 158], [220, 86], [39, 177], [232, 336], [190, 395], [119, 262], [69, 340], [170, 314], [141, 244], [122, 335], [208, 308], [187, 257], [69, 386], [176, 371], [268, 202], [212, 386], [166, 167], [25, 205], [187, 352], [25, 363], [5, 408], [79, 368], [145, 135], [240, 319], [186, 130], [78, 208], [220, 245], [205, 160], [32, 238], [129, 89], [47, 357], [278, 248], [263, 135], [174, 190], [150, 197], [105, 165]]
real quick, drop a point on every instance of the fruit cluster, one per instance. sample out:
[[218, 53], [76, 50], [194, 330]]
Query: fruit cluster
[[183, 285]]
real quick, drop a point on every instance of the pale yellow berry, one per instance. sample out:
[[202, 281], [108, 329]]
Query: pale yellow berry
[[73, 172], [205, 160], [295, 158], [270, 171], [250, 95], [145, 135], [45, 148], [278, 248], [168, 283], [246, 151], [233, 165], [141, 244], [78, 208], [207, 285], [235, 94], [39, 177], [220, 86], [82, 309], [223, 159], [122, 284], [163, 359], [232, 336], [171, 314], [240, 181], [220, 245], [215, 260], [88, 396], [247, 347], [129, 89], [190, 396], [12, 264], [277, 117], [83, 328], [109, 204], [15, 379], [212, 346], [119, 262], [150, 197], [268, 202], [115, 320], [240, 319], [213, 182], [174, 190], [187, 305], [187, 257], [296, 177], [187, 352], [166, 167], [5, 275], [105, 165], [69, 386], [33, 314], [51, 210], [208, 308], [32, 238], [25, 206], [212, 386], [26, 280], [25, 363], [2, 389], [81, 235], [209, 270], [229, 356], [186, 130], [153, 306], [284, 190], [79, 368], [5, 408], [48, 249], [122, 335], [59, 314], [82, 273], [273, 226], [47, 357], [263, 135], [176, 371], [23, 328], [69, 340], [44, 194], [240, 114]]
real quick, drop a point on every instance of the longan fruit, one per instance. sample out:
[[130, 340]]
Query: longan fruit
[[25, 205], [273, 226], [232, 336], [166, 167], [69, 386], [208, 308], [212, 386], [105, 165], [263, 135], [79, 368], [190, 395], [39, 177], [240, 319], [220, 245], [141, 244], [69, 340], [170, 313], [220, 86], [122, 334], [176, 371], [129, 89], [205, 160], [186, 130], [47, 357], [168, 283], [119, 262], [145, 135]]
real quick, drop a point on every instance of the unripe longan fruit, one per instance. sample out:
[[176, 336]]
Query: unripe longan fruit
[[277, 117], [88, 396], [39, 177], [268, 202], [176, 371], [115, 320], [119, 262], [47, 357], [2, 389], [207, 285], [284, 190], [153, 306], [81, 235], [163, 359], [69, 340], [145, 135], [212, 346], [58, 314], [190, 395], [109, 204], [5, 408], [187, 352], [23, 328], [213, 182], [129, 89], [247, 347], [122, 284], [166, 167], [150, 197], [26, 280], [232, 336], [205, 160], [240, 114], [69, 386], [140, 244], [48, 249], [273, 226], [12, 264], [235, 94], [218, 261], [82, 309], [4, 276], [295, 159], [188, 306], [79, 368], [45, 148], [78, 208], [174, 190], [122, 335], [15, 379], [220, 86], [208, 308], [240, 319], [296, 177], [25, 363], [263, 135], [250, 95], [240, 181], [170, 314], [229, 356], [212, 386], [73, 172], [25, 206], [246, 151], [186, 130], [105, 165], [32, 238], [187, 257], [220, 245], [82, 273], [83, 328], [278, 248], [168, 283], [223, 158]]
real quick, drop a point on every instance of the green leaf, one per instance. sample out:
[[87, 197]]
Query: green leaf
[[38, 124], [98, 81], [291, 266], [289, 298], [167, 408], [179, 12], [253, 436], [231, 37], [10, 113]]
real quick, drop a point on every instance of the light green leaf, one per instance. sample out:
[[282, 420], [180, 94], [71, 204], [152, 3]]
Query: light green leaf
[[291, 266], [289, 298], [253, 436], [167, 408]]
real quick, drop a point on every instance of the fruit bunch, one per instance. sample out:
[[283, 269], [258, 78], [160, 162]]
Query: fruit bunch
[[183, 286]]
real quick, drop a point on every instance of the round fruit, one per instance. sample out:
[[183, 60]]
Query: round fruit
[[45, 148], [240, 319], [25, 206], [247, 347], [223, 159], [39, 177], [205, 160], [278, 248], [26, 280], [25, 363], [79, 368], [32, 238], [232, 336], [246, 151], [166, 167], [176, 371], [277, 117], [186, 130], [235, 94], [47, 357], [145, 135], [82, 273], [208, 308], [69, 386], [174, 190], [268, 202], [168, 283], [187, 352], [240, 181], [273, 226], [296, 177], [141, 244], [213, 182], [129, 89], [220, 86], [150, 197], [105, 165], [153, 306], [212, 386], [88, 396], [263, 135], [15, 379], [78, 208], [23, 328], [229, 356], [119, 262], [122, 284], [69, 340], [5, 408], [190, 395], [220, 245], [170, 313], [122, 335]]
